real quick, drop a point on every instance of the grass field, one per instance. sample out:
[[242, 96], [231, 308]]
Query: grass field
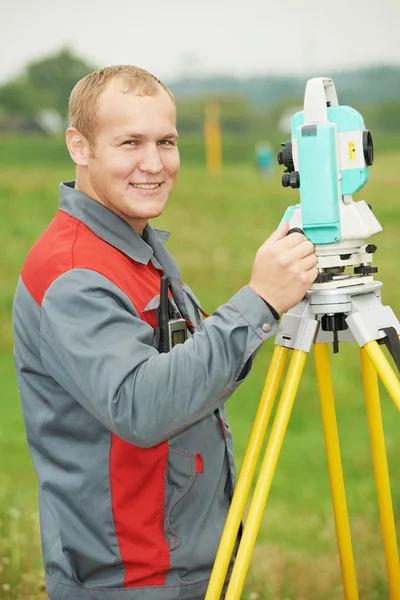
[[217, 224]]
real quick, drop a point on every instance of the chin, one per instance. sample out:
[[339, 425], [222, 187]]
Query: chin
[[151, 212]]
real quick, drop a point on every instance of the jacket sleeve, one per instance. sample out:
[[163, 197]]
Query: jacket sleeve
[[96, 346]]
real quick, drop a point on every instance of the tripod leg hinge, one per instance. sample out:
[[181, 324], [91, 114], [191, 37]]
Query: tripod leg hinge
[[369, 319]]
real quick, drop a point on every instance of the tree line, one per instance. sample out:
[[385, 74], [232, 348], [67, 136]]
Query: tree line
[[247, 106]]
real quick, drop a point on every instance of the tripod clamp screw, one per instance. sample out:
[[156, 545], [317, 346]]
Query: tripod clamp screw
[[365, 270], [323, 277]]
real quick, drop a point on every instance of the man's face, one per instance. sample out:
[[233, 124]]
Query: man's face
[[134, 163]]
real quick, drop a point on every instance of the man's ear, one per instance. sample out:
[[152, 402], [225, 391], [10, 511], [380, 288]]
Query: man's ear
[[78, 147]]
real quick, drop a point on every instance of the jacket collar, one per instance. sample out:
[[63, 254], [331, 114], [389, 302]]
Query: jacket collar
[[110, 227], [115, 231]]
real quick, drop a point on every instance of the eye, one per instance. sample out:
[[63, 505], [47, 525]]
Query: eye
[[130, 143], [167, 143]]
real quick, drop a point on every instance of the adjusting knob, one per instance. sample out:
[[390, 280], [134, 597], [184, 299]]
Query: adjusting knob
[[365, 270], [336, 322], [324, 277]]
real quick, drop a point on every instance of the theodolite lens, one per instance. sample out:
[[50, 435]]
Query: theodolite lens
[[368, 147]]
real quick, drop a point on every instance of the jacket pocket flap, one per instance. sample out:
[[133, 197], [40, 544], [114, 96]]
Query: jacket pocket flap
[[153, 304]]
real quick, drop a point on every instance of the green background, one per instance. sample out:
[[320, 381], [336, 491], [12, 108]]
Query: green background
[[217, 223]]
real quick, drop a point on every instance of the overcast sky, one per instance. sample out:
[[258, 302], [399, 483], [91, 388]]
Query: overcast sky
[[175, 37]]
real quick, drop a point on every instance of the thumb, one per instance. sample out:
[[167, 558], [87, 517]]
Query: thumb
[[280, 232]]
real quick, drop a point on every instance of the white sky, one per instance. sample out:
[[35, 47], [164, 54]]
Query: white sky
[[175, 37]]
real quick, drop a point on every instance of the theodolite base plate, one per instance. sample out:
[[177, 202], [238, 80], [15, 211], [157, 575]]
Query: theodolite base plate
[[365, 317]]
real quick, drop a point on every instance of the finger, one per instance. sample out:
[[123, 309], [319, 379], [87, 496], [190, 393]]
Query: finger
[[308, 262], [313, 273], [292, 240], [280, 232], [305, 248]]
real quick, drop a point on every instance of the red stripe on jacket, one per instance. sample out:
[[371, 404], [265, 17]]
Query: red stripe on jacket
[[137, 475]]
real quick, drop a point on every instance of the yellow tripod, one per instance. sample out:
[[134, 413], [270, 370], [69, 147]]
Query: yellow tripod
[[366, 322]]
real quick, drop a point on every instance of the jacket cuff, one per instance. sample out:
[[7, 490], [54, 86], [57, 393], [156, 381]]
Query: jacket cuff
[[256, 312], [274, 312]]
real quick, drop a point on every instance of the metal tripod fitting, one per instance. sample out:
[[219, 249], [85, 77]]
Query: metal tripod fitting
[[298, 328]]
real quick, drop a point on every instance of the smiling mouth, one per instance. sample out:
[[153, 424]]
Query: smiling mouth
[[146, 186]]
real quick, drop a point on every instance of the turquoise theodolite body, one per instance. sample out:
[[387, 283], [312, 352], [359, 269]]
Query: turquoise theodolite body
[[328, 159]]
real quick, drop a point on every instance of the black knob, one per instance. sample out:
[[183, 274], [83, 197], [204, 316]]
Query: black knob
[[336, 322], [295, 179], [285, 157], [295, 230], [323, 277], [371, 248], [286, 179], [365, 270]]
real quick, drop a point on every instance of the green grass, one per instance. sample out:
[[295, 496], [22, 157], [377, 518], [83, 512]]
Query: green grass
[[217, 224]]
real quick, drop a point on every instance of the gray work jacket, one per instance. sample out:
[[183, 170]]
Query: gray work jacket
[[131, 448]]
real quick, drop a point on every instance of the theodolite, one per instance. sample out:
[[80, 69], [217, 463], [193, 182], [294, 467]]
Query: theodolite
[[328, 160]]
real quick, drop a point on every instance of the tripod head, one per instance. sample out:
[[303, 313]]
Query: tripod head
[[328, 159]]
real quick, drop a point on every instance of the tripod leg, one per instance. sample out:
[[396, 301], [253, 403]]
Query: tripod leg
[[385, 372], [247, 470], [325, 388], [266, 474], [381, 475]]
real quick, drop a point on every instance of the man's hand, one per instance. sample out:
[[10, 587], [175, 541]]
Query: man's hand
[[284, 269]]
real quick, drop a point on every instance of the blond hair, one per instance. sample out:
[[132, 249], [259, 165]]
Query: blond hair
[[84, 96]]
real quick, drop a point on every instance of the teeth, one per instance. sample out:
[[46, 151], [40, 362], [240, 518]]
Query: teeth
[[146, 186]]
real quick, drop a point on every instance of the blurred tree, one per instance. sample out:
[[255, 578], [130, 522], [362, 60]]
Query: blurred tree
[[46, 84], [253, 106], [21, 98], [56, 76]]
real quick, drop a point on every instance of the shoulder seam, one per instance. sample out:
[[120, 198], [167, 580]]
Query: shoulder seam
[[73, 244], [91, 270]]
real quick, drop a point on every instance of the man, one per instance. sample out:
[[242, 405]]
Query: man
[[131, 446]]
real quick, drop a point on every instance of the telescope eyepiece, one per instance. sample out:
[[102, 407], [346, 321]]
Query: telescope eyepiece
[[368, 147]]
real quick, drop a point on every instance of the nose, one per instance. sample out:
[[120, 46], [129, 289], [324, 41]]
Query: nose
[[150, 160]]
